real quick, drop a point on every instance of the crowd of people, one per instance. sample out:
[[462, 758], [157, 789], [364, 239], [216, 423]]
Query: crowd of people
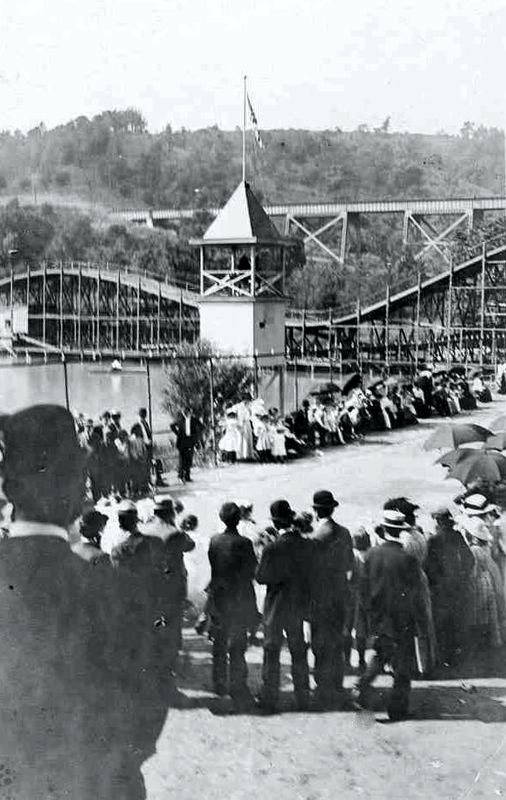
[[91, 634], [122, 463], [334, 416]]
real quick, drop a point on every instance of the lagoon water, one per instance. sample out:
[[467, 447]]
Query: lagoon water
[[93, 389]]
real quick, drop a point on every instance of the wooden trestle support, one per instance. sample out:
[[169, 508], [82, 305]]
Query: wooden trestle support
[[80, 308], [455, 318]]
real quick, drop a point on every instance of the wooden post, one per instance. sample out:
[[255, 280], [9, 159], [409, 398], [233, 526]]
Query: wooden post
[[79, 305], [295, 382], [28, 276], [181, 317], [357, 343], [255, 374], [417, 319], [158, 315], [330, 345], [449, 315], [44, 281], [281, 373], [150, 410], [12, 300], [66, 381], [138, 320], [482, 301], [118, 291], [303, 343], [202, 265], [61, 305], [387, 330], [98, 312], [211, 399]]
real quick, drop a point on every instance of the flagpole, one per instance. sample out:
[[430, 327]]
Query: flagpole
[[244, 133]]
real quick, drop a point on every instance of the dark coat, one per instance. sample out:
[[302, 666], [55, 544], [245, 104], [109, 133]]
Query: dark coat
[[144, 559], [333, 559], [449, 566], [231, 593], [90, 553], [286, 568], [79, 703], [392, 592], [183, 441]]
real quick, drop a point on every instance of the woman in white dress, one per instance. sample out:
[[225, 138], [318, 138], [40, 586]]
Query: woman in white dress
[[245, 450], [230, 442]]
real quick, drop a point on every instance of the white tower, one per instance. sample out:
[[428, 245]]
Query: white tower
[[242, 281]]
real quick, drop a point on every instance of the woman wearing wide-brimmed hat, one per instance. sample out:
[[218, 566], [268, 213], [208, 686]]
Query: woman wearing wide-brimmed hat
[[487, 616]]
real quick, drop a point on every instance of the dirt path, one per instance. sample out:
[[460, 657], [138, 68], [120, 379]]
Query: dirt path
[[454, 747]]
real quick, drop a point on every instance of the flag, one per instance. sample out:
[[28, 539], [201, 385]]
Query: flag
[[254, 124]]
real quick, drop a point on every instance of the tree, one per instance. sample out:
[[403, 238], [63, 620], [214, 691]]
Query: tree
[[188, 381]]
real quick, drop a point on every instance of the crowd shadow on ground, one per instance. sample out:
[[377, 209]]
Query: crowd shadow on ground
[[474, 691]]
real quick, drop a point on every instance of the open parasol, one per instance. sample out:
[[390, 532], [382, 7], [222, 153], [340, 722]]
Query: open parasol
[[497, 441], [325, 388], [487, 465], [499, 424], [454, 457], [352, 382], [448, 436]]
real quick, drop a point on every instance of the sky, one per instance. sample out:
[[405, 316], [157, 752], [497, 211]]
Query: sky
[[428, 64]]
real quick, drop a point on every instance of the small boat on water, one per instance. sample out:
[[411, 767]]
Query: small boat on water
[[116, 366]]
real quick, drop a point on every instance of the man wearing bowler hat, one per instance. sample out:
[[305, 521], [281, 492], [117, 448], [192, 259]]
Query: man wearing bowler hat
[[392, 593], [285, 568], [333, 564], [232, 607], [80, 706]]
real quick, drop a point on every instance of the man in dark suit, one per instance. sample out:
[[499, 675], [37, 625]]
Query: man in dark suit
[[333, 564], [232, 607], [188, 430], [91, 528], [80, 704], [285, 568], [393, 598]]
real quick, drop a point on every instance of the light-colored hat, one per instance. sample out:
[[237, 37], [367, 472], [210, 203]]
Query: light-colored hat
[[476, 505], [395, 520], [475, 527]]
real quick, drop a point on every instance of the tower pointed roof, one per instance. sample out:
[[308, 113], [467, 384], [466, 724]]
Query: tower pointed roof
[[242, 220]]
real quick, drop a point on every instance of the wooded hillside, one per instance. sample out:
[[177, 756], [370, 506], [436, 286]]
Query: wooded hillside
[[113, 161]]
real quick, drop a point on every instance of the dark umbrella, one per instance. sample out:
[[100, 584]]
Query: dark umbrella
[[488, 466], [440, 371], [454, 457], [497, 441], [450, 436], [353, 382], [325, 388]]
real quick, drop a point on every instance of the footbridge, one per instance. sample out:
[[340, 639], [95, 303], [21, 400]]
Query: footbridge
[[426, 224]]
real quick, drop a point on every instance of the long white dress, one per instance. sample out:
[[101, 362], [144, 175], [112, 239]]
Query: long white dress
[[245, 451], [231, 440]]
